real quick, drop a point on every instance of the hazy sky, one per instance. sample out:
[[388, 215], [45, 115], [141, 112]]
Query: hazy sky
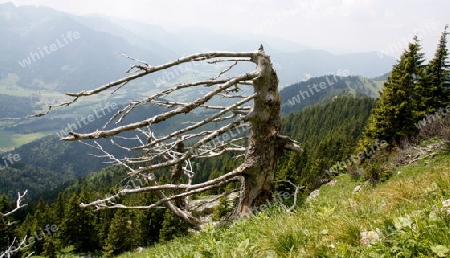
[[339, 26]]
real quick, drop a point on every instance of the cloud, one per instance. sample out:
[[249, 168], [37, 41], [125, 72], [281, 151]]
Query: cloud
[[334, 25]]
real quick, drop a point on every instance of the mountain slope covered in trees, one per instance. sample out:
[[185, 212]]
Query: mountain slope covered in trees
[[336, 124], [330, 132], [321, 89], [403, 207]]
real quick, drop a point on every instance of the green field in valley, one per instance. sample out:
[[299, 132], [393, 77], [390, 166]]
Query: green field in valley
[[10, 140]]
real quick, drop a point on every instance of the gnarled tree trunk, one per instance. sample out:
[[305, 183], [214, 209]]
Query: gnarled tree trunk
[[265, 145]]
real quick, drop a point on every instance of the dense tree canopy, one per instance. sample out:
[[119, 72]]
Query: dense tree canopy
[[402, 101], [438, 75]]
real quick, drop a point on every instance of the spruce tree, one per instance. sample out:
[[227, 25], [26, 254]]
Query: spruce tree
[[149, 221], [438, 75], [77, 227], [402, 101], [6, 235], [50, 249], [103, 222], [293, 170], [172, 227], [222, 209], [122, 233]]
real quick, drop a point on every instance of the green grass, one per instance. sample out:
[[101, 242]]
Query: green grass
[[10, 140], [47, 92], [405, 212]]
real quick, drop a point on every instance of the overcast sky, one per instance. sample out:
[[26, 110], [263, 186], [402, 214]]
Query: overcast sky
[[339, 26]]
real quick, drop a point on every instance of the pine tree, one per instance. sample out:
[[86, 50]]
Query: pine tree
[[6, 235], [77, 227], [149, 221], [103, 223], [402, 101], [58, 207], [214, 174], [438, 75], [222, 209], [50, 249], [172, 227], [293, 170], [122, 233]]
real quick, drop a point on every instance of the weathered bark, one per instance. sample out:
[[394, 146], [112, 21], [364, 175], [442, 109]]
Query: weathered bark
[[264, 144], [175, 176]]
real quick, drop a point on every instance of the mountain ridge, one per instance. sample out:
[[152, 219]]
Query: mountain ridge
[[95, 52]]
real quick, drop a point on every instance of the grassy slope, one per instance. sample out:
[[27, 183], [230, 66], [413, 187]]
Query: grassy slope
[[406, 209]]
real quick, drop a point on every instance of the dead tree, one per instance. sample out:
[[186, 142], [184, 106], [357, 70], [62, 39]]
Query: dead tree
[[16, 245], [258, 112]]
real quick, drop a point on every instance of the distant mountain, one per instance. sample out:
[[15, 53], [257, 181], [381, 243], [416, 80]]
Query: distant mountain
[[145, 36], [293, 62], [321, 89], [47, 48], [293, 67], [12, 106], [383, 77], [45, 164]]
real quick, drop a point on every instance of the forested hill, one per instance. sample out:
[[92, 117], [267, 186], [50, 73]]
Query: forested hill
[[12, 106], [327, 132], [48, 162], [321, 89]]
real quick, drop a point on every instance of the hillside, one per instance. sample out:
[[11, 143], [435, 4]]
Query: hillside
[[45, 53], [235, 129], [48, 162], [337, 126], [328, 132], [323, 88], [407, 216]]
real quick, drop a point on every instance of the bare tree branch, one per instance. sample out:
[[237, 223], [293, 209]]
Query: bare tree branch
[[202, 203], [149, 70], [13, 248], [251, 132], [225, 71], [161, 117], [19, 205], [290, 144], [295, 194]]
